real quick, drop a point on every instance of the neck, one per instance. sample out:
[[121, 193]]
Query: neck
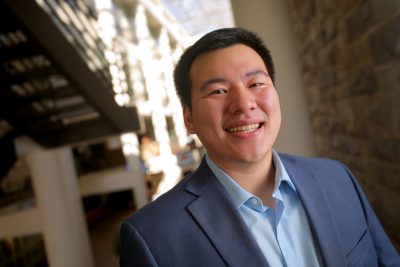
[[258, 178]]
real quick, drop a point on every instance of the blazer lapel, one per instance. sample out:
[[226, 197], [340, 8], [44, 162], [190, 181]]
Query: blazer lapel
[[318, 210], [215, 213]]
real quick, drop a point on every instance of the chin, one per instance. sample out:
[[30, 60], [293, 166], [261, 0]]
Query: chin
[[255, 158]]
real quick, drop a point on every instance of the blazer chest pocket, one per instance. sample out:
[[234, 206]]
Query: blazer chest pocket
[[363, 254]]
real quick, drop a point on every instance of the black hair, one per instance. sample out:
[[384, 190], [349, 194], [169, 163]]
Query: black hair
[[214, 40]]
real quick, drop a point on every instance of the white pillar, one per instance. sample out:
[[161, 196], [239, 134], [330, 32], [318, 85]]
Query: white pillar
[[57, 195], [270, 20], [139, 187], [130, 147]]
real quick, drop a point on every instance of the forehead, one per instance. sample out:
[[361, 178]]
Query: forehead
[[223, 62]]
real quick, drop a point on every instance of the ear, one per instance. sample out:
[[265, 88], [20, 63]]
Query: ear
[[187, 117]]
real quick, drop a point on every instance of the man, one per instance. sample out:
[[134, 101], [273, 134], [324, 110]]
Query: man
[[247, 205]]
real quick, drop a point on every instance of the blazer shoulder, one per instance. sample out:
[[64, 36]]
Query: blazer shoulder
[[165, 207], [312, 162]]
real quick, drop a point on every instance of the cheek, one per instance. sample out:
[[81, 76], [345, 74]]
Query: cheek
[[209, 108], [203, 114], [271, 102]]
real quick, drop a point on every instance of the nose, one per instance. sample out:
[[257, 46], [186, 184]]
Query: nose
[[241, 100]]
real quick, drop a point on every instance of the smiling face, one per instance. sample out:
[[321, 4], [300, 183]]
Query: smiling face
[[235, 108]]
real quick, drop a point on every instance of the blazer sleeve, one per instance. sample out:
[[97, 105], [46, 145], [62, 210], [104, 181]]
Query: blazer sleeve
[[134, 252], [387, 254]]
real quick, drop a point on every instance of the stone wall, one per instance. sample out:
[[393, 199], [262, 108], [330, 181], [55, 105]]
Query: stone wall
[[350, 54]]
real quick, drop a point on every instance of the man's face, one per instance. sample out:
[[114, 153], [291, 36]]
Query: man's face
[[235, 108]]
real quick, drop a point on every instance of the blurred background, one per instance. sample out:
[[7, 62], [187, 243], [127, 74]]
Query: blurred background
[[91, 128]]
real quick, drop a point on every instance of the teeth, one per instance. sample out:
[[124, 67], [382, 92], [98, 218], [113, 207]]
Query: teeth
[[246, 128]]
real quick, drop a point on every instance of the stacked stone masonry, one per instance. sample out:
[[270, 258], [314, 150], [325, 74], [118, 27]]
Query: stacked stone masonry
[[350, 54]]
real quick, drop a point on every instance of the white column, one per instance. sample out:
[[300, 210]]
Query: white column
[[139, 184], [57, 195], [130, 146], [270, 20]]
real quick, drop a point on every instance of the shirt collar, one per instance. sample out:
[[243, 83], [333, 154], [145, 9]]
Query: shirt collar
[[281, 173], [238, 193]]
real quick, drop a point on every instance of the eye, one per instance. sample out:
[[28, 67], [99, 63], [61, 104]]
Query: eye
[[256, 85], [218, 91]]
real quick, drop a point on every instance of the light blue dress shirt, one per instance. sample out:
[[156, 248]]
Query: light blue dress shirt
[[283, 234]]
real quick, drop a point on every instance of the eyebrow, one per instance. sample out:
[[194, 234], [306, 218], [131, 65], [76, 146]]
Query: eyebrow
[[211, 81], [257, 72]]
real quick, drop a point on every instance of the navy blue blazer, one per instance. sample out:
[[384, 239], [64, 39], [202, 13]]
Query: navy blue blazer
[[196, 223]]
